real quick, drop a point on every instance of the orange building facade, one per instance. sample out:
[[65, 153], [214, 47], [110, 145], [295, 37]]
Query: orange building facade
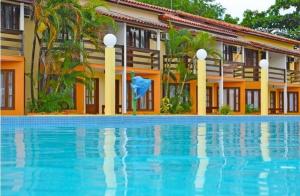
[[233, 80]]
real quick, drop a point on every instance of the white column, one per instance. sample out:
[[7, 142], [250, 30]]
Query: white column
[[21, 16], [285, 99], [243, 54], [158, 39], [124, 77], [221, 89]]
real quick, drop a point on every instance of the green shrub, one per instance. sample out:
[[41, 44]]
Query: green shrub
[[52, 102], [225, 110], [165, 105], [251, 109]]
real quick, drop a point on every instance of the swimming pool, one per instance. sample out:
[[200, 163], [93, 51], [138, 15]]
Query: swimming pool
[[153, 155]]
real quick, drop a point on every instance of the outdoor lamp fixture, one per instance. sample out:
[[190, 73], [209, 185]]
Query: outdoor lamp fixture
[[201, 81], [201, 54], [264, 63], [110, 40], [264, 86]]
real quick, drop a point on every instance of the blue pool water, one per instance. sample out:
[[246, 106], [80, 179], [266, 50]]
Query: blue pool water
[[171, 156]]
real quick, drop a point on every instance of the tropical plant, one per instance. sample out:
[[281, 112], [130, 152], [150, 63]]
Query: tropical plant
[[165, 105], [182, 46], [225, 110], [250, 108], [60, 27]]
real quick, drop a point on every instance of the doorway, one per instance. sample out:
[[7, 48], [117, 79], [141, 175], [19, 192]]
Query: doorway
[[92, 98]]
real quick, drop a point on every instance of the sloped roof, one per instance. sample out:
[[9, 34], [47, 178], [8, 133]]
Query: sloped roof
[[206, 21], [131, 19]]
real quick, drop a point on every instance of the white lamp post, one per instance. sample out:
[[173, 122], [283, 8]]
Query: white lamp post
[[110, 41], [201, 81], [264, 86]]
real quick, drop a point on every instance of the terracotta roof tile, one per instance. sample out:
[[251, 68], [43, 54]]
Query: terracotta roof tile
[[207, 21], [197, 25], [141, 5], [237, 41], [234, 27], [130, 19]]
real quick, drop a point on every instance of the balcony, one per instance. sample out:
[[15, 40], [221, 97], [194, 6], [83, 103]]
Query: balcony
[[143, 58], [213, 66], [293, 76], [136, 57], [12, 42]]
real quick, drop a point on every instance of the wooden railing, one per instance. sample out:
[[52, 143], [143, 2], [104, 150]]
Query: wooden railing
[[12, 42], [233, 69], [213, 66], [277, 74], [293, 76], [97, 56], [143, 58]]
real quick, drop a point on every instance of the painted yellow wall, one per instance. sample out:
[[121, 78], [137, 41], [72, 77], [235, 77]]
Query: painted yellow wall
[[268, 41]]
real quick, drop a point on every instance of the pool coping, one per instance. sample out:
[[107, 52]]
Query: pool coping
[[134, 121]]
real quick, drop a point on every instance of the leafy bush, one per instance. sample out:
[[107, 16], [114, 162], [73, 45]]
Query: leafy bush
[[165, 105], [52, 102], [251, 109], [225, 110]]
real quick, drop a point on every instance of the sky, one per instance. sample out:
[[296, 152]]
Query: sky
[[237, 7]]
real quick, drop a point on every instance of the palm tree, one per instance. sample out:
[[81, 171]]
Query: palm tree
[[61, 27], [181, 50]]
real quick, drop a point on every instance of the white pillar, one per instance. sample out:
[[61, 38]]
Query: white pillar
[[21, 16], [285, 99], [221, 89], [158, 39], [243, 54], [124, 76]]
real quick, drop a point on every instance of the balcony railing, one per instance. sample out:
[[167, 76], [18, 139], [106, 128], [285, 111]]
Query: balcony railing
[[233, 69], [293, 76], [213, 66], [12, 42], [143, 58], [277, 74], [97, 56]]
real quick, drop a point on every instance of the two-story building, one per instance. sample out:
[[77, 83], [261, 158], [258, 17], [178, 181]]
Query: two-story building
[[233, 80]]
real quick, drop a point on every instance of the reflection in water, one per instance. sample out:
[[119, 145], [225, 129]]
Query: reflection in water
[[124, 152], [109, 161], [218, 158], [264, 141], [201, 154], [265, 153], [286, 150], [80, 142], [20, 159]]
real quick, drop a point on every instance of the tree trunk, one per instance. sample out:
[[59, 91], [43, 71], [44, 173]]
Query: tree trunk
[[32, 64]]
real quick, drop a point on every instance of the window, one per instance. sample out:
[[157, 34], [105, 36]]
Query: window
[[231, 97], [10, 16], [186, 91], [7, 89], [253, 98], [138, 38], [145, 103], [229, 52], [292, 101]]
